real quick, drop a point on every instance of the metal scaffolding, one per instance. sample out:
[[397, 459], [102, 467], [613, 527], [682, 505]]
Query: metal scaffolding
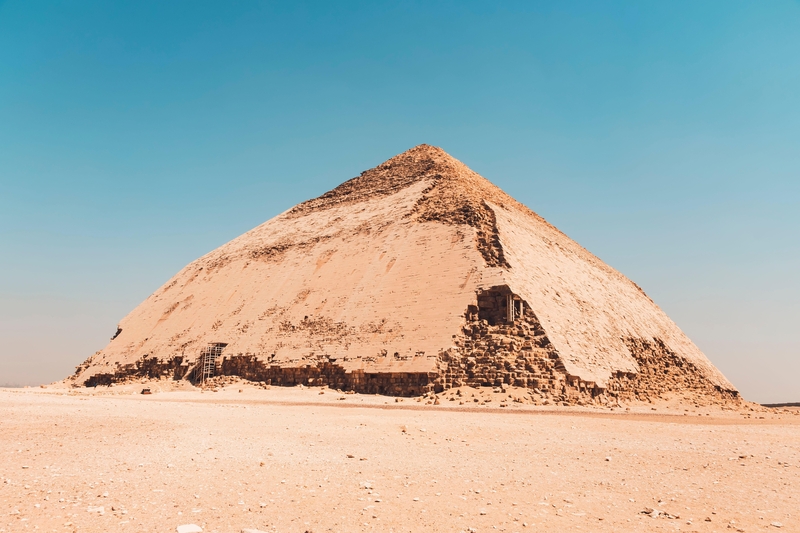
[[209, 360], [514, 308]]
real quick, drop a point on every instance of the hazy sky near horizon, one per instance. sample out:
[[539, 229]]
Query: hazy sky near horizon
[[662, 136]]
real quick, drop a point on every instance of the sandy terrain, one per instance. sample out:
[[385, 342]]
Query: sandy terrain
[[295, 460]]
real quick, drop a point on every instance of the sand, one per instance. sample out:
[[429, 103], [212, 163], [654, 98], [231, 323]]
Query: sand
[[295, 460]]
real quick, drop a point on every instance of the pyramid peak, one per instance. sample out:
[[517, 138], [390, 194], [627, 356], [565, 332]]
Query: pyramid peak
[[431, 157], [423, 151], [422, 162], [455, 194]]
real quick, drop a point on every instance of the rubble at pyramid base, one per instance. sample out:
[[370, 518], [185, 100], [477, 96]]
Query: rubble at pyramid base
[[501, 344], [546, 384]]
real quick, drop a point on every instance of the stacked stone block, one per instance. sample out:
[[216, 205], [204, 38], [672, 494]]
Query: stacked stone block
[[492, 352]]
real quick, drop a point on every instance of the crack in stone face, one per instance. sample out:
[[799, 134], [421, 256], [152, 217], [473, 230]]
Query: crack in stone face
[[471, 212]]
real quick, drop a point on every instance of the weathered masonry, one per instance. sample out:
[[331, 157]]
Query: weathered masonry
[[502, 343]]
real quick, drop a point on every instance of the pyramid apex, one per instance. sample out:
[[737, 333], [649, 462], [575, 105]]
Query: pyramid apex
[[421, 152], [422, 162], [425, 149]]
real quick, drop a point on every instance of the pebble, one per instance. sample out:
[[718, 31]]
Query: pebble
[[776, 524], [255, 530], [189, 528]]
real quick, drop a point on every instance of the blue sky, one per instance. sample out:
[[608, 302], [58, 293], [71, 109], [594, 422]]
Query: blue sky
[[662, 136]]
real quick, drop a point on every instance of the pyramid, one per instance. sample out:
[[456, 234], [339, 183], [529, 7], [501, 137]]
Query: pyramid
[[417, 275]]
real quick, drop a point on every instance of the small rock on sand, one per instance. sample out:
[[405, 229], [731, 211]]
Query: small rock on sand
[[189, 528]]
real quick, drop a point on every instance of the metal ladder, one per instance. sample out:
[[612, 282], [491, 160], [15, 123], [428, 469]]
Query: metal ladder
[[209, 364]]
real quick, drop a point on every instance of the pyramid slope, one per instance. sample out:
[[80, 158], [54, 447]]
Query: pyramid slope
[[378, 276]]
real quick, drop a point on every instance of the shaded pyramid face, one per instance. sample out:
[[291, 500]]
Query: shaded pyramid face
[[419, 274]]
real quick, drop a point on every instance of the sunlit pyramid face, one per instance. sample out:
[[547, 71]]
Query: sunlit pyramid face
[[417, 275]]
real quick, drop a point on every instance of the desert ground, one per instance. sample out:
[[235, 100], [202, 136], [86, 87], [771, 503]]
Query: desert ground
[[310, 459]]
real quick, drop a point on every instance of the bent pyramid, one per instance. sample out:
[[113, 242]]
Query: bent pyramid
[[417, 275]]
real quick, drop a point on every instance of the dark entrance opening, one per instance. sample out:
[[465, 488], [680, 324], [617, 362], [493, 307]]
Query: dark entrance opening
[[499, 305]]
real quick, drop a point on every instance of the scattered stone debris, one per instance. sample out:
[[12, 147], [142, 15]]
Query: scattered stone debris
[[657, 513]]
